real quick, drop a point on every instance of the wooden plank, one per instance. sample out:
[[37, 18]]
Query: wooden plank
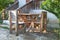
[[30, 22], [33, 14]]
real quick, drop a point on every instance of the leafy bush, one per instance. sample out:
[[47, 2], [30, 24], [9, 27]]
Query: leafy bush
[[52, 6], [5, 3]]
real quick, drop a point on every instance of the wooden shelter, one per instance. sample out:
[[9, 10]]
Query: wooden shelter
[[29, 21], [26, 21]]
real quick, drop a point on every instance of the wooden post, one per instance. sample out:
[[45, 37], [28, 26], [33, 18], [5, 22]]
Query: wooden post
[[44, 21], [16, 22], [10, 22], [41, 23]]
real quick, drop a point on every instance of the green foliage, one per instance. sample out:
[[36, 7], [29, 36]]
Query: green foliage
[[52, 6], [5, 3], [6, 16], [1, 18]]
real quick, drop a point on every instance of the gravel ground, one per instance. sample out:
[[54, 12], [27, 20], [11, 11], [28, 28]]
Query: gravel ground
[[4, 35]]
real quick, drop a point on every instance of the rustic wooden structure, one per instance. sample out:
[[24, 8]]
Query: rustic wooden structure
[[29, 21]]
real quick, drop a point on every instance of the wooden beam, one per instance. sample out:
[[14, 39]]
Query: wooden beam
[[29, 14]]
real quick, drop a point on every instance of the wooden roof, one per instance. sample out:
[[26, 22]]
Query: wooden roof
[[15, 5]]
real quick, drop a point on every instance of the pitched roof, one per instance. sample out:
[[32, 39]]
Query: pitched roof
[[15, 5]]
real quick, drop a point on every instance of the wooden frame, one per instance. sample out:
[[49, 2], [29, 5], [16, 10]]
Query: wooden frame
[[42, 23]]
